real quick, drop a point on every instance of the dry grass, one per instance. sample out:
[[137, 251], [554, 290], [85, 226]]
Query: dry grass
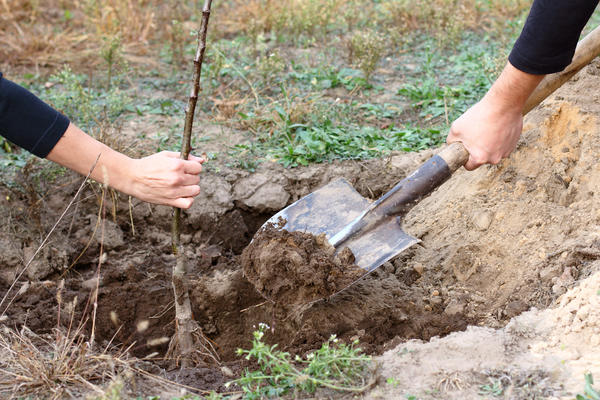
[[65, 365], [255, 17], [447, 19], [54, 32], [58, 366]]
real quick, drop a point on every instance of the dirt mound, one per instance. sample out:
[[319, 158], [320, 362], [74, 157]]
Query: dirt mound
[[295, 268], [517, 236]]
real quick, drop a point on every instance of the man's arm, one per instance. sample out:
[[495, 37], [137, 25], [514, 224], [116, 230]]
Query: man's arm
[[161, 178], [491, 128]]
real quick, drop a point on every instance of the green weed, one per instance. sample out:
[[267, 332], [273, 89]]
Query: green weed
[[444, 88], [111, 52], [494, 388], [392, 381], [328, 77], [335, 366], [589, 393], [270, 66], [304, 144]]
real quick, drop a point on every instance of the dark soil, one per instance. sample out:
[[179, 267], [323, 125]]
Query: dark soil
[[297, 268], [401, 300]]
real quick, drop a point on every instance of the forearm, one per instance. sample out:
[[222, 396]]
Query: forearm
[[79, 151], [512, 89], [161, 178]]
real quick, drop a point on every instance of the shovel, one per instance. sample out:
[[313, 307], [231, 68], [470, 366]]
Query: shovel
[[373, 230]]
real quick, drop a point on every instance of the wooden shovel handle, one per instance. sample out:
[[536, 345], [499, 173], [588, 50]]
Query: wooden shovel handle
[[587, 49], [455, 155]]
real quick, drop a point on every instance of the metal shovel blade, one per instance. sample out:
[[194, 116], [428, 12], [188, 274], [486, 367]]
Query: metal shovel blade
[[334, 206]]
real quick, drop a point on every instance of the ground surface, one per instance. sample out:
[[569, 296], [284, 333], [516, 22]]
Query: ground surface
[[500, 299], [496, 243]]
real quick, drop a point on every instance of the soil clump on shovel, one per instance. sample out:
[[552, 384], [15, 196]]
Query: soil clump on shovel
[[293, 268]]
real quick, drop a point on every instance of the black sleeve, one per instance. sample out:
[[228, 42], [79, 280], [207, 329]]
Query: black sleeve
[[27, 121], [549, 37]]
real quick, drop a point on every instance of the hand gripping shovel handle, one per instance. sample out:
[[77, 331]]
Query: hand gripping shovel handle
[[455, 155], [588, 48], [408, 192]]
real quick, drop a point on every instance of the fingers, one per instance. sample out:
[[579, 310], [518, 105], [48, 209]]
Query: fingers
[[182, 197], [187, 191], [164, 178], [189, 179], [192, 157], [171, 154], [472, 164], [182, 202], [192, 167]]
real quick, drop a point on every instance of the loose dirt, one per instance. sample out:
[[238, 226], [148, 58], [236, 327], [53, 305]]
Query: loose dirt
[[296, 268], [499, 245]]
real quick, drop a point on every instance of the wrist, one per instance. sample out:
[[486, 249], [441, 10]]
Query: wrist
[[511, 90], [124, 177]]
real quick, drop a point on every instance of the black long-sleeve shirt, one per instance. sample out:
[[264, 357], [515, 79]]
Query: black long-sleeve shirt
[[546, 45], [27, 121], [549, 37]]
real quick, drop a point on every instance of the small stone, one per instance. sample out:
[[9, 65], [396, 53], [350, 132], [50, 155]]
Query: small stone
[[454, 307], [435, 293], [90, 284], [427, 307], [482, 220], [186, 238], [419, 268], [227, 372], [515, 308], [583, 312], [436, 300], [111, 235]]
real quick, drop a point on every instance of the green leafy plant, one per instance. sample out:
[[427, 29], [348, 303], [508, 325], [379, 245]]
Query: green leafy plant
[[329, 77], [494, 388], [270, 66], [326, 141], [589, 393], [111, 53], [392, 381], [335, 366], [439, 91]]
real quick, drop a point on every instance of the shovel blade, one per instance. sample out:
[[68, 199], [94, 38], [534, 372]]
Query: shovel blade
[[331, 208]]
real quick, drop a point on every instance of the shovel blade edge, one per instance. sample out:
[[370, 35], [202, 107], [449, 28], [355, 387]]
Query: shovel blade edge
[[329, 209]]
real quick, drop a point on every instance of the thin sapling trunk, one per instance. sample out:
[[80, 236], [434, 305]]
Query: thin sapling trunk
[[188, 343]]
